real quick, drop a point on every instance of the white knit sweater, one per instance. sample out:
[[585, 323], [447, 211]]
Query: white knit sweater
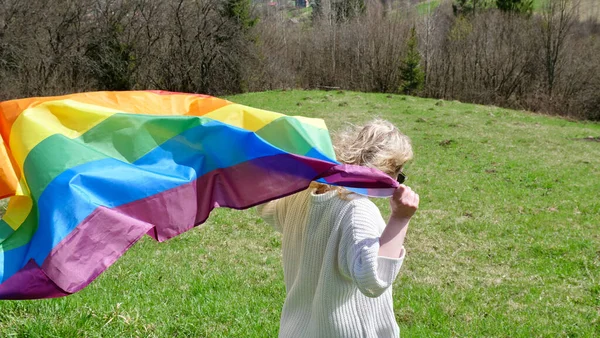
[[337, 285]]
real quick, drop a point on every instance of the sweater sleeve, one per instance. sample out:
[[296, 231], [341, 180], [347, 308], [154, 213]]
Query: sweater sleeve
[[269, 213], [359, 257]]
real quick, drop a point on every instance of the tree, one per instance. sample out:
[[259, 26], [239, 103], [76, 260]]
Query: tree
[[348, 9], [317, 9], [241, 12], [337, 10], [411, 73], [515, 6], [558, 17], [463, 7], [110, 54], [112, 62]]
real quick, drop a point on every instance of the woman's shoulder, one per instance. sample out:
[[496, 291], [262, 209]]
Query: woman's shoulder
[[362, 212], [360, 203], [340, 200]]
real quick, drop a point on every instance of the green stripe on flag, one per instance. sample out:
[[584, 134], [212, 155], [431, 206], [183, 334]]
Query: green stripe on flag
[[125, 137], [23, 234], [291, 135]]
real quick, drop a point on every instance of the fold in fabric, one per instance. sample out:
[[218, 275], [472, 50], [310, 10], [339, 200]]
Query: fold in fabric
[[90, 173]]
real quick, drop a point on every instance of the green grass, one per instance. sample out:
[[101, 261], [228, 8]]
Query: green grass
[[538, 4], [588, 9], [506, 242], [427, 6]]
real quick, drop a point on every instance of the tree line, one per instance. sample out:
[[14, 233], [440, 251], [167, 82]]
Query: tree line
[[490, 52]]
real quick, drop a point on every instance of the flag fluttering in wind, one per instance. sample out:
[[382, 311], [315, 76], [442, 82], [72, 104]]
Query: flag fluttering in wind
[[89, 174]]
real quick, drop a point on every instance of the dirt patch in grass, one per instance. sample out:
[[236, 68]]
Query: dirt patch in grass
[[589, 139]]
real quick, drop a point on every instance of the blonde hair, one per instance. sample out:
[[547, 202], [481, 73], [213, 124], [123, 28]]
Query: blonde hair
[[377, 144]]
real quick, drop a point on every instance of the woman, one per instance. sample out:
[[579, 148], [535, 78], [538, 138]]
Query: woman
[[340, 257]]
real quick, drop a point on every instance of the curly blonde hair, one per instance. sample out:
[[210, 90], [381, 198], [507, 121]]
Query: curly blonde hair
[[376, 144]]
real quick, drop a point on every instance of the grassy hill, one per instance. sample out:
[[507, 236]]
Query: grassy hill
[[588, 8], [506, 243]]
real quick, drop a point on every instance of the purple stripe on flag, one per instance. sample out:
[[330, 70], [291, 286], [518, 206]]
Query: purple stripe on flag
[[92, 247], [29, 283], [359, 177]]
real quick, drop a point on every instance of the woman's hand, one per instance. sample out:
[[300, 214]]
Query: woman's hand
[[404, 203]]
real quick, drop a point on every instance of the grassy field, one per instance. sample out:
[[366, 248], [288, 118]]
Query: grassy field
[[428, 6], [506, 243], [588, 9]]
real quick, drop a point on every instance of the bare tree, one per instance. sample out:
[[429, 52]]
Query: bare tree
[[558, 17], [547, 62]]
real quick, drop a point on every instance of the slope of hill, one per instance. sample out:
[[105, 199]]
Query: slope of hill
[[505, 243]]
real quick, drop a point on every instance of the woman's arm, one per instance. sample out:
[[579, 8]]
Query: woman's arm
[[359, 256], [404, 204], [268, 212]]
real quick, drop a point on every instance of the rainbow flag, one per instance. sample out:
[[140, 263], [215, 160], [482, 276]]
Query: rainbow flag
[[89, 174]]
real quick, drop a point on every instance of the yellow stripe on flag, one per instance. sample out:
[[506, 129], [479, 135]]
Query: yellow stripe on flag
[[254, 119], [66, 117], [319, 123], [19, 206]]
